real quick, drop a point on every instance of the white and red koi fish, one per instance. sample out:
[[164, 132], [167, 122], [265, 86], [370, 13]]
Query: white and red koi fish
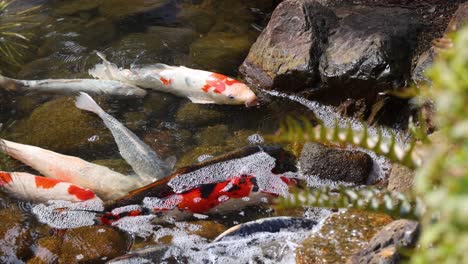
[[25, 186], [72, 86], [226, 196], [107, 183], [201, 87]]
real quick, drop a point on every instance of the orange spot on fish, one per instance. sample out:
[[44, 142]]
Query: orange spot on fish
[[5, 178], [165, 81], [80, 193], [218, 82], [46, 183]]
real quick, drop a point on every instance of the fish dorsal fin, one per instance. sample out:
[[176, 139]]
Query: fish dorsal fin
[[171, 161], [200, 101]]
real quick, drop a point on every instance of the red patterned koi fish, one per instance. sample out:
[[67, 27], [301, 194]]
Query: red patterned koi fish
[[33, 188], [107, 183], [199, 86], [230, 195]]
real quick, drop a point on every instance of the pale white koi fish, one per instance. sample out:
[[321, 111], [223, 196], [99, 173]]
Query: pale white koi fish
[[72, 87], [34, 188], [107, 183], [145, 162], [199, 86]]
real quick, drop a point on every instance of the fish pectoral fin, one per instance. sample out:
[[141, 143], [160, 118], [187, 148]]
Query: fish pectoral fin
[[200, 101], [171, 161]]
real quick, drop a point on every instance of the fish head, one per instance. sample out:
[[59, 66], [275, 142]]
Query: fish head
[[225, 90], [239, 93]]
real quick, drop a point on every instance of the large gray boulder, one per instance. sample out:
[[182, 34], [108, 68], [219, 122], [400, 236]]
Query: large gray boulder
[[286, 54], [370, 51]]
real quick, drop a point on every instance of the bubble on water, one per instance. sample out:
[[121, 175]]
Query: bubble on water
[[204, 157], [65, 214], [200, 216], [168, 203], [79, 257], [127, 208], [258, 165], [93, 138], [223, 198], [255, 139], [136, 225]]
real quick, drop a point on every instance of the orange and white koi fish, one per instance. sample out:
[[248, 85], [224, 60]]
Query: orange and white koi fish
[[201, 87], [72, 86], [107, 183], [25, 186]]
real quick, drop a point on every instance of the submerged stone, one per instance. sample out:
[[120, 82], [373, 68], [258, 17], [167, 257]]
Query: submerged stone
[[341, 235], [220, 51], [190, 114], [59, 126], [335, 164], [15, 238]]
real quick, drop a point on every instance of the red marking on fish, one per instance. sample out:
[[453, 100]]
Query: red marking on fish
[[81, 193], [196, 201], [5, 178], [46, 183], [218, 82], [165, 81]]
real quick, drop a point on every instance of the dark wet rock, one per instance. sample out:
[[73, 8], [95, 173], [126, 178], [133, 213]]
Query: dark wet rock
[[59, 126], [15, 238], [401, 178], [384, 246], [158, 45], [118, 165], [459, 18], [286, 54], [220, 51], [341, 235], [370, 51], [335, 164], [190, 114]]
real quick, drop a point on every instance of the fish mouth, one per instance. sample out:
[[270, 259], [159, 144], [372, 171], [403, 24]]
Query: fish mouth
[[252, 103]]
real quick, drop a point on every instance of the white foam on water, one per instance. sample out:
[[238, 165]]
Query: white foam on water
[[258, 164], [65, 214], [168, 203], [137, 225], [329, 115]]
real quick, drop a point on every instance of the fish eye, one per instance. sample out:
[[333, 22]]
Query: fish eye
[[230, 96]]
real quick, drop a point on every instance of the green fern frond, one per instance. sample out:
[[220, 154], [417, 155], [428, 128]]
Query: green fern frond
[[302, 130], [392, 203]]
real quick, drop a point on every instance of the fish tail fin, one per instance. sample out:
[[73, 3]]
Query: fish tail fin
[[86, 102], [103, 70]]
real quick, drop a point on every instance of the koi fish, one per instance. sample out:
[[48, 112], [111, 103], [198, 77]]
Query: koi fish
[[72, 86], [201, 87], [215, 198], [107, 183], [25, 186], [144, 161]]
